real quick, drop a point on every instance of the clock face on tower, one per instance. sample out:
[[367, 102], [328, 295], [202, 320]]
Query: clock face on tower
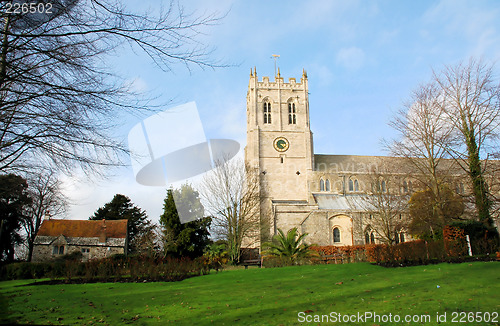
[[281, 144]]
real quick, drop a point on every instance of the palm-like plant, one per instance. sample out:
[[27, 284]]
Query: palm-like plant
[[288, 247], [216, 255]]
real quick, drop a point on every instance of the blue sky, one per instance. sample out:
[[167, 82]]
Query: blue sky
[[363, 58]]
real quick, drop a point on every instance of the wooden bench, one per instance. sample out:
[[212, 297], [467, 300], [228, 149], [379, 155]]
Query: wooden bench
[[253, 262]]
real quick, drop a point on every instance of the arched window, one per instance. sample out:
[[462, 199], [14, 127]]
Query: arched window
[[369, 237], [410, 186], [356, 185], [351, 185], [400, 237], [61, 250], [291, 113], [336, 235], [321, 185], [267, 112], [55, 250], [405, 187], [384, 188], [327, 185]]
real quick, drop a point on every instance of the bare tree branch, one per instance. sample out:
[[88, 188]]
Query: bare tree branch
[[47, 200], [231, 195], [472, 105], [59, 100], [388, 207]]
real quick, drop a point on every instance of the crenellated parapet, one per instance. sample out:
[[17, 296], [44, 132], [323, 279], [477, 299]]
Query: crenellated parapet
[[279, 82]]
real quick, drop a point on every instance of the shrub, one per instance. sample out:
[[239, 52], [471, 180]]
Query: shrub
[[454, 241], [270, 262], [483, 239], [108, 269], [18, 271], [289, 247], [342, 254], [74, 256]]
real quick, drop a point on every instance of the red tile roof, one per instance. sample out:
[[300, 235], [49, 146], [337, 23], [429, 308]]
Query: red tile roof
[[83, 228]]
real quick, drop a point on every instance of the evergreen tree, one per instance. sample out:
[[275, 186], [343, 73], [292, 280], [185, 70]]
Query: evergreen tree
[[188, 239], [122, 208], [13, 200]]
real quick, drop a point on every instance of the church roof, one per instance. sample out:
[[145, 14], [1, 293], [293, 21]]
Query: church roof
[[342, 202], [369, 164], [356, 163], [84, 228]]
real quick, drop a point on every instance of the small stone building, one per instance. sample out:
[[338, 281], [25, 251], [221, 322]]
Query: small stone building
[[94, 239]]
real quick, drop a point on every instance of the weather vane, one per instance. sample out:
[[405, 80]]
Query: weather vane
[[275, 57]]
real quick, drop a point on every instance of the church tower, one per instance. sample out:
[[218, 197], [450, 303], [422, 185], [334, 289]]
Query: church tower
[[279, 140]]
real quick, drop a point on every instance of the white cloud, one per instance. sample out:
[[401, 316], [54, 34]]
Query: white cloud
[[477, 24], [351, 58], [388, 36], [334, 15], [320, 73], [137, 85], [86, 195], [224, 113], [461, 16]]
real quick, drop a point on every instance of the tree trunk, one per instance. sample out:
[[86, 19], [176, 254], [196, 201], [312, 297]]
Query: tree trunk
[[3, 58], [30, 250], [482, 200]]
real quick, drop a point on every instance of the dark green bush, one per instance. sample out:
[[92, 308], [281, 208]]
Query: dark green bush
[[76, 256], [114, 268], [40, 270], [19, 271], [270, 262], [483, 239]]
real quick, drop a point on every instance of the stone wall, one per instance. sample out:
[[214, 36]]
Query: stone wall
[[43, 249]]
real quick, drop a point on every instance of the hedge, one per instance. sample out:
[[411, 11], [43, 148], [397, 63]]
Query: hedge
[[113, 269]]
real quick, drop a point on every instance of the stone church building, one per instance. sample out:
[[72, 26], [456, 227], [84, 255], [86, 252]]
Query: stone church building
[[324, 196]]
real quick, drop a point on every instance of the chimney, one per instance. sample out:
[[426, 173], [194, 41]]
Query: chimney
[[102, 235]]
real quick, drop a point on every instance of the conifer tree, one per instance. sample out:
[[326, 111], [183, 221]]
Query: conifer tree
[[120, 208], [184, 239]]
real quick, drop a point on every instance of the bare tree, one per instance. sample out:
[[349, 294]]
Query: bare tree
[[384, 202], [424, 135], [492, 178], [46, 199], [150, 242], [471, 97], [231, 195], [58, 96]]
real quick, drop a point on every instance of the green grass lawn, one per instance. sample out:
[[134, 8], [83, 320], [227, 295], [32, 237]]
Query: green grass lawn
[[273, 296]]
